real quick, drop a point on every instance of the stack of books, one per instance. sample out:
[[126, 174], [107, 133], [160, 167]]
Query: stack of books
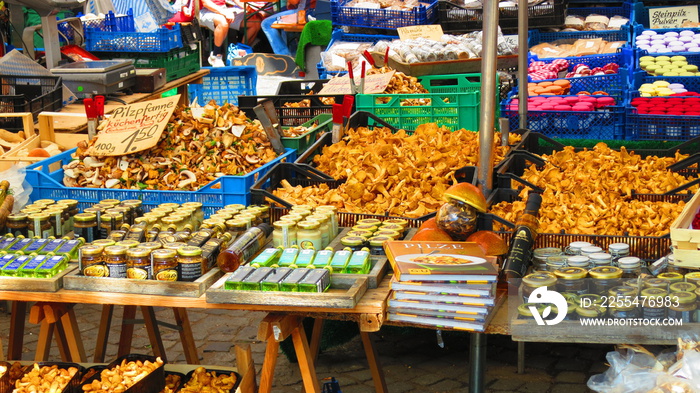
[[441, 284]]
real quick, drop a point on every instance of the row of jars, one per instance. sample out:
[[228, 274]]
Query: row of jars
[[624, 303], [43, 218], [306, 227], [584, 254], [373, 233], [601, 279], [151, 260]]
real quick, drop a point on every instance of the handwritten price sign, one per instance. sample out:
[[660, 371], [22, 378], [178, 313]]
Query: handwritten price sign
[[431, 32], [374, 84], [133, 128]]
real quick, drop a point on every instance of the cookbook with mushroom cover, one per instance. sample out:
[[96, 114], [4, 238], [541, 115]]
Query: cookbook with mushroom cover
[[440, 261]]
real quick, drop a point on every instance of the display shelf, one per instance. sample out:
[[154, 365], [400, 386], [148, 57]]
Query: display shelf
[[52, 284], [76, 281], [342, 14], [457, 19]]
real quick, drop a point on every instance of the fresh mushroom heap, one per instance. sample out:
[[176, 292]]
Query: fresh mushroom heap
[[395, 173], [191, 152], [588, 192], [296, 131]]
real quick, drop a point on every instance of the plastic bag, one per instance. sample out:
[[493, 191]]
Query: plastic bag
[[21, 189], [629, 372]]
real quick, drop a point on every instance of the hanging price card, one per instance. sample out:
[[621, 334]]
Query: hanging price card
[[133, 128], [431, 32]]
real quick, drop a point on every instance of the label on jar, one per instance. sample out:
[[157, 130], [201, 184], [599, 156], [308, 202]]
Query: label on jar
[[58, 228], [86, 233], [190, 270], [116, 269], [139, 272], [94, 269], [654, 312], [686, 316], [165, 272]]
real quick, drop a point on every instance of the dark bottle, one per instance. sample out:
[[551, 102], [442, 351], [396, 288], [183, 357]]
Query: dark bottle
[[212, 247], [152, 234], [243, 248], [200, 237], [524, 235], [137, 231]]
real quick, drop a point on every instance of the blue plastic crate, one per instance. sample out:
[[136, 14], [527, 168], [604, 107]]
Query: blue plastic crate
[[613, 84], [691, 83], [625, 10], [340, 35], [641, 11], [604, 124], [48, 184], [342, 15], [638, 29], [692, 58], [624, 58], [225, 84], [111, 22], [535, 36], [161, 40]]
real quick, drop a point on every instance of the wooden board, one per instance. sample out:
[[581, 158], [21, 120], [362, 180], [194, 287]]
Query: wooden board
[[29, 284], [686, 241], [196, 288], [338, 296]]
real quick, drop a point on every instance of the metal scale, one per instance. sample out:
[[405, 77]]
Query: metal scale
[[99, 77]]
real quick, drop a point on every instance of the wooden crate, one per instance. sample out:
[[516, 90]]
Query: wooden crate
[[686, 241], [78, 282], [340, 295], [30, 284], [46, 135]]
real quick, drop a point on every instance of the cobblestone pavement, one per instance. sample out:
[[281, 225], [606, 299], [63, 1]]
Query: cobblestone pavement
[[411, 358]]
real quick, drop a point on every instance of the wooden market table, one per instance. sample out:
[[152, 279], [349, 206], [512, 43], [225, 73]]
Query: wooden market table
[[368, 313], [73, 124]]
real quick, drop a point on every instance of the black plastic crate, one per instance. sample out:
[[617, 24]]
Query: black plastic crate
[[33, 94], [73, 385], [534, 144], [648, 248], [303, 175], [152, 383], [191, 32], [290, 116], [457, 19], [302, 87], [218, 372]]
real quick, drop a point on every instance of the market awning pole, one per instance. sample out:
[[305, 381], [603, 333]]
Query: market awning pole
[[488, 95], [522, 63]]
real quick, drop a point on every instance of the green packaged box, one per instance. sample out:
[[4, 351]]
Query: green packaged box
[[322, 258], [340, 260], [291, 282], [70, 248], [36, 246], [289, 257], [305, 257], [268, 257], [20, 245], [359, 263], [8, 241], [52, 246], [317, 280], [12, 269], [52, 266], [273, 280], [235, 280], [252, 282], [28, 270]]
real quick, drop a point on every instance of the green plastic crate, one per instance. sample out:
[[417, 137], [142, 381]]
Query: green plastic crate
[[178, 62], [302, 142], [455, 101]]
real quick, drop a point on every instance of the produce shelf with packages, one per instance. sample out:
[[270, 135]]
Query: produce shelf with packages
[[344, 47], [456, 18]]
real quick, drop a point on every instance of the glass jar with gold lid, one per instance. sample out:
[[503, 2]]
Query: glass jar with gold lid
[[572, 279], [369, 221], [223, 215], [128, 243], [110, 222], [653, 305], [247, 218], [236, 227], [91, 261], [44, 202], [40, 226], [683, 306], [104, 242], [376, 245], [671, 277], [85, 226], [693, 277], [169, 205], [309, 235], [536, 280], [172, 223], [151, 245], [393, 227], [110, 202], [366, 227], [174, 245], [190, 263], [653, 282], [525, 312], [603, 278], [138, 263], [115, 261], [136, 205], [164, 264], [682, 287], [355, 243], [392, 234], [198, 210], [57, 217], [212, 222], [292, 217], [17, 224], [284, 234], [325, 227], [590, 311]]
